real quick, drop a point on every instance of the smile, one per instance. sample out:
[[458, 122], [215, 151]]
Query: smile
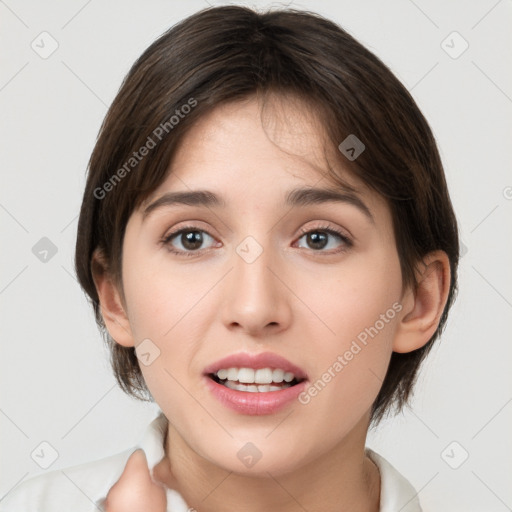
[[250, 380], [255, 384]]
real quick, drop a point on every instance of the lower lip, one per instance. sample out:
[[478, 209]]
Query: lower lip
[[254, 404]]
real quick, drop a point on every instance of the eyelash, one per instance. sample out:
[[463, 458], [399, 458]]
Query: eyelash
[[190, 254]]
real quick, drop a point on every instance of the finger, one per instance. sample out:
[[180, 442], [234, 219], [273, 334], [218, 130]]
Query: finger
[[135, 490]]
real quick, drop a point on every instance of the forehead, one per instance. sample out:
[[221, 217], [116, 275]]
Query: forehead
[[252, 145], [251, 163]]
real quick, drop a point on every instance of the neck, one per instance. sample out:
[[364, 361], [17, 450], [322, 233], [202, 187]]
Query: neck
[[342, 479]]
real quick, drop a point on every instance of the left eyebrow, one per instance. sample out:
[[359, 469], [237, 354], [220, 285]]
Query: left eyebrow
[[295, 197], [307, 196]]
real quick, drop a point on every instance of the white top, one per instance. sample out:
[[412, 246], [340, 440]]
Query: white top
[[84, 487]]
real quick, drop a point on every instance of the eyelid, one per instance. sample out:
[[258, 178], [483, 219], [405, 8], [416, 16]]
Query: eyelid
[[329, 227], [188, 224]]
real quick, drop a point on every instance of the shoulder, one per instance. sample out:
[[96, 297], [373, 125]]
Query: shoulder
[[79, 488], [396, 492]]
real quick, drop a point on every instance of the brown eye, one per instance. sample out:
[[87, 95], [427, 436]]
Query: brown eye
[[320, 238], [191, 240], [186, 241], [317, 239]]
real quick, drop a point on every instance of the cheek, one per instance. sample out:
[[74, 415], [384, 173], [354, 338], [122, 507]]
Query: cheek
[[158, 299], [361, 308], [353, 296], [170, 309], [350, 370]]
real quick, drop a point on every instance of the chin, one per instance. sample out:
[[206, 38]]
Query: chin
[[257, 459]]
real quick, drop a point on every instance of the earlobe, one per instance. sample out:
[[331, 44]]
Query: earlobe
[[424, 306], [111, 305]]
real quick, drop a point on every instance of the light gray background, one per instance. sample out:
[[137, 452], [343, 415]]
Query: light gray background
[[55, 376]]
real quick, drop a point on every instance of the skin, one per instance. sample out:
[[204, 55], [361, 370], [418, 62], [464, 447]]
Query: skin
[[302, 302]]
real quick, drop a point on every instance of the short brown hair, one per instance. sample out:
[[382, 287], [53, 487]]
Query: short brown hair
[[229, 53]]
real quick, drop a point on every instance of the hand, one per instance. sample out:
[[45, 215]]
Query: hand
[[135, 491]]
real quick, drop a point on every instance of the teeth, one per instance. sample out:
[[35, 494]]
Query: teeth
[[252, 388], [232, 374], [263, 376], [277, 375], [251, 376], [246, 375], [288, 377], [231, 385]]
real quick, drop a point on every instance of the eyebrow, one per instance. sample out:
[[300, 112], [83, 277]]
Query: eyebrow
[[295, 197]]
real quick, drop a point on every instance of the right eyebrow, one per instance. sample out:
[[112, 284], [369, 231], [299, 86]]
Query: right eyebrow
[[190, 198]]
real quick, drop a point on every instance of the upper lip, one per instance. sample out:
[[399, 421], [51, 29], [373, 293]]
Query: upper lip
[[255, 361]]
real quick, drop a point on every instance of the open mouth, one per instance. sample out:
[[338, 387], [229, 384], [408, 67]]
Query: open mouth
[[261, 380]]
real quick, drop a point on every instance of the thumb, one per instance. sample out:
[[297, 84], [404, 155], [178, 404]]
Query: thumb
[[135, 490]]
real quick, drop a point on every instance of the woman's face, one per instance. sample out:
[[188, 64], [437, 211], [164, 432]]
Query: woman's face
[[258, 271]]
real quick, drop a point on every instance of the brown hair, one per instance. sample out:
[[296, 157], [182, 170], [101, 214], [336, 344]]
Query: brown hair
[[224, 54]]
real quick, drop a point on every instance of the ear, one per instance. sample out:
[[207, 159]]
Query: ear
[[423, 307], [112, 307]]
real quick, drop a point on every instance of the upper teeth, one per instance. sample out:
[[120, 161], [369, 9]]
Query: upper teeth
[[250, 376]]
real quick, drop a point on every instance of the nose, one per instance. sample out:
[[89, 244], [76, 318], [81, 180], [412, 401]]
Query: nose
[[256, 298]]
